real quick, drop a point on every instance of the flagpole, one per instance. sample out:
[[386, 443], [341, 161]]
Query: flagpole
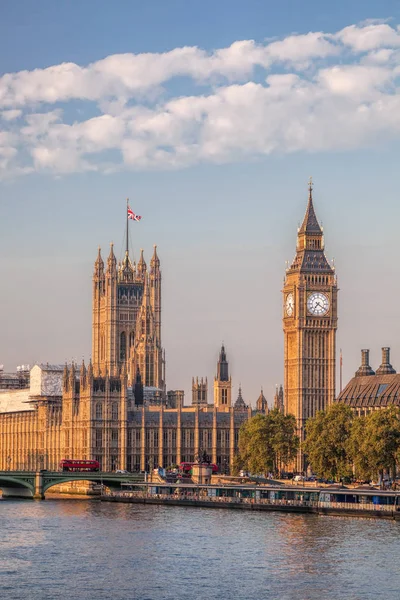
[[127, 228]]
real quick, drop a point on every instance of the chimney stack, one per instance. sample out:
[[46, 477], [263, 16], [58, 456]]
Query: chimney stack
[[365, 368], [385, 368]]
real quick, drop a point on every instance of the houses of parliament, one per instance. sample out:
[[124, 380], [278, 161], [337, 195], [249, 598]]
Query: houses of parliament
[[116, 409]]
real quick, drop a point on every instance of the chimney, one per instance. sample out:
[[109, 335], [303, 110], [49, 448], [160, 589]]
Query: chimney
[[365, 369], [385, 368]]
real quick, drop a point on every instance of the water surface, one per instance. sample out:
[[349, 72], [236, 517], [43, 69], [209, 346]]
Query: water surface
[[73, 548]]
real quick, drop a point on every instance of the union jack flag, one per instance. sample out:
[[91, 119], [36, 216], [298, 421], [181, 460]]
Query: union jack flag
[[132, 215]]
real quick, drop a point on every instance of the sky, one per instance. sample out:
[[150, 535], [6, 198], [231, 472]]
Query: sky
[[211, 117]]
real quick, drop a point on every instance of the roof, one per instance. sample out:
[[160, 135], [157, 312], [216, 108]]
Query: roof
[[372, 391], [313, 261], [310, 222], [50, 367]]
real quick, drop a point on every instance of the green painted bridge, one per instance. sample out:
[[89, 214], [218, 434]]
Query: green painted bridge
[[34, 484]]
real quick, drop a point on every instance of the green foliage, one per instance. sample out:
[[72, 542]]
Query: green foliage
[[380, 441], [267, 442], [339, 443], [327, 443]]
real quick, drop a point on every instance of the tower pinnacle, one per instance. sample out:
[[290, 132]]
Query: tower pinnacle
[[310, 222]]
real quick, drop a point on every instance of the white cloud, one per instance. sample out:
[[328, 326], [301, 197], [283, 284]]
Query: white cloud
[[10, 115], [317, 91], [369, 37]]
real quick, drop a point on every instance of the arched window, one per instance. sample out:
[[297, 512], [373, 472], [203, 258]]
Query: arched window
[[122, 346], [114, 411], [99, 411]]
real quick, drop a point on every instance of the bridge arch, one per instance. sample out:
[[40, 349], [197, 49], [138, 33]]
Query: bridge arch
[[17, 487]]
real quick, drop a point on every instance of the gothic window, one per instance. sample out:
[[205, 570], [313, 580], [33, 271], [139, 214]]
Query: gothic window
[[122, 346], [99, 411], [114, 411], [114, 438], [99, 438], [224, 396]]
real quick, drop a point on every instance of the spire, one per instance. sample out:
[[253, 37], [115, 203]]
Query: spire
[[155, 261], [90, 371], [222, 366], [65, 378], [240, 403], [111, 261], [310, 223], [261, 404], [141, 266], [99, 264], [72, 377], [82, 373]]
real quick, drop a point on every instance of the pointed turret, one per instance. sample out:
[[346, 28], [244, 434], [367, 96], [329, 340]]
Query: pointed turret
[[99, 265], [141, 266], [72, 377], [126, 270], [222, 366], [155, 261], [89, 373], [261, 404], [310, 223], [111, 261], [240, 403], [82, 374], [278, 399], [65, 378]]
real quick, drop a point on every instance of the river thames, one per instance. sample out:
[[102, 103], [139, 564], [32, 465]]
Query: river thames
[[73, 548]]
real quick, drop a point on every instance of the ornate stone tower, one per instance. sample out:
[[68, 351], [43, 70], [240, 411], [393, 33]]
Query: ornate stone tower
[[199, 392], [309, 325], [126, 325], [222, 382]]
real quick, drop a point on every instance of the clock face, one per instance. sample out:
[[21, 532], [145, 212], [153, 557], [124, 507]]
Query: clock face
[[289, 305], [317, 304]]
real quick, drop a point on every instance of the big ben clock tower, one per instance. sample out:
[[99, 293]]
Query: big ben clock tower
[[309, 325]]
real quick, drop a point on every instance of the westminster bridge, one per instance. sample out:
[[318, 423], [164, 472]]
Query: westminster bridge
[[34, 484]]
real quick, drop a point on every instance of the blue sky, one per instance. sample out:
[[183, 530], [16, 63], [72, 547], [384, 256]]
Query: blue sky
[[213, 138]]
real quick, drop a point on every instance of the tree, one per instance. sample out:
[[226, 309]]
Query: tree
[[327, 443], [357, 449], [380, 442], [266, 442], [285, 441]]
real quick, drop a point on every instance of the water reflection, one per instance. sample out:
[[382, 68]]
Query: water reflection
[[122, 551]]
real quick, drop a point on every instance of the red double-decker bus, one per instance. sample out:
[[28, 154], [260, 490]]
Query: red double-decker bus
[[186, 467], [69, 464]]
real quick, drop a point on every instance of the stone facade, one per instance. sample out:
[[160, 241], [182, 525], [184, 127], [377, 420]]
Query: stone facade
[[97, 418], [116, 409]]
